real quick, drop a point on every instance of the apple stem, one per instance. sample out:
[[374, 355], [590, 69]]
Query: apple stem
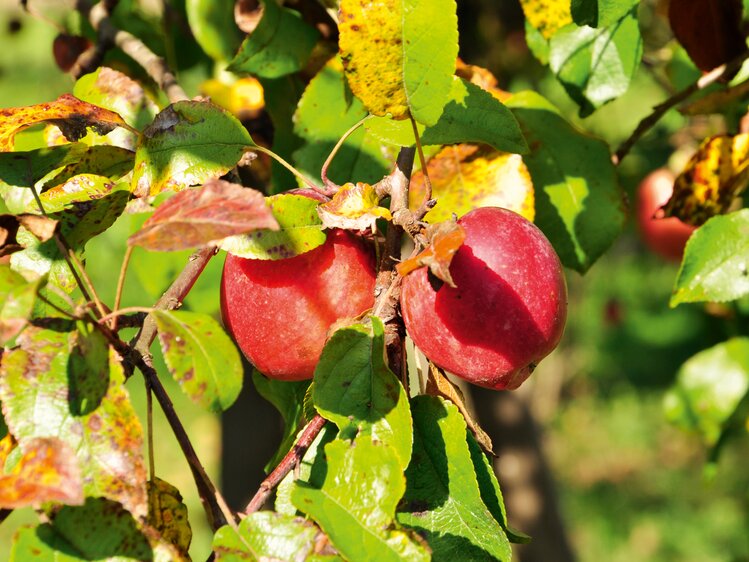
[[331, 186], [306, 181]]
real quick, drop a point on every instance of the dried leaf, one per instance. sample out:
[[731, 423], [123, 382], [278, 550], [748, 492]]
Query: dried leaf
[[467, 176], [439, 385], [71, 115], [168, 514], [41, 227], [203, 216], [712, 179], [445, 239], [48, 471], [547, 16], [354, 207], [710, 31]]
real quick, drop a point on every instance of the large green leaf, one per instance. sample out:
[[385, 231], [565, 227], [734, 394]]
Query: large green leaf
[[201, 357], [709, 388], [17, 299], [355, 505], [212, 23], [471, 115], [300, 230], [596, 66], [715, 266], [400, 55], [325, 112], [600, 13], [354, 385], [579, 204], [45, 394], [279, 45], [443, 501], [188, 143]]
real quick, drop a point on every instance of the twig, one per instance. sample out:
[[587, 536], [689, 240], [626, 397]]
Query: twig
[[659, 110], [149, 429], [122, 311], [289, 462]]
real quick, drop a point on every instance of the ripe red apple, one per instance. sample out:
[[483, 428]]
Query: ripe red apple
[[664, 236], [279, 311], [507, 310]]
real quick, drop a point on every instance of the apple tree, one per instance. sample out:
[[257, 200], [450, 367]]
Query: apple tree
[[386, 213]]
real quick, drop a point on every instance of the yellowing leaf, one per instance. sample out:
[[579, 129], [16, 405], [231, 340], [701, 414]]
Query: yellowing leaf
[[47, 471], [547, 16], [243, 98], [355, 207], [445, 238], [167, 514], [712, 179], [467, 176]]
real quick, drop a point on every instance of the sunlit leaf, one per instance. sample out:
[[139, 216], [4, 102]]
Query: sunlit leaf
[[43, 228], [300, 231], [187, 144], [17, 297], [79, 189], [399, 55], [71, 115], [600, 13], [445, 238], [212, 24], [547, 16], [712, 179], [168, 514], [112, 162], [203, 216], [353, 207]]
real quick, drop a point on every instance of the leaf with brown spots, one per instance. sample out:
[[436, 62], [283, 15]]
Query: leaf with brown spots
[[547, 16], [467, 176], [71, 115], [35, 390], [47, 472], [353, 207], [712, 179], [204, 216], [201, 357], [43, 228], [167, 514], [445, 238]]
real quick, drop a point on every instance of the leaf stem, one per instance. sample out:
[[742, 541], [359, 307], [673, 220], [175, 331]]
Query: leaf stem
[[149, 429], [427, 203], [306, 181], [121, 283], [331, 186], [122, 311]]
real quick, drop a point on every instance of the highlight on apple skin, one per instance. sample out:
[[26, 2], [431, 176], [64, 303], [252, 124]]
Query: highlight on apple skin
[[507, 311], [279, 311]]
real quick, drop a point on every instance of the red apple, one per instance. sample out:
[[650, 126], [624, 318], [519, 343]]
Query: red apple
[[279, 311], [664, 236], [507, 310]]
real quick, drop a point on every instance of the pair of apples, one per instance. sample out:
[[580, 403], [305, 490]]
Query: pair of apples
[[506, 312]]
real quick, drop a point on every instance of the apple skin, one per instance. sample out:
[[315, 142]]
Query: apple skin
[[664, 236], [507, 311], [279, 312]]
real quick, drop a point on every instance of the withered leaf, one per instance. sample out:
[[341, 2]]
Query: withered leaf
[[71, 115], [445, 238], [41, 227], [201, 216], [354, 207], [167, 514], [48, 471]]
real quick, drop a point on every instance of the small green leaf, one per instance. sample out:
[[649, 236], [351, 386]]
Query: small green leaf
[[300, 231], [17, 299], [709, 387], [579, 203], [280, 44], [471, 115], [212, 23], [716, 261], [596, 66], [354, 385], [201, 357], [355, 505], [187, 144], [443, 501], [600, 13]]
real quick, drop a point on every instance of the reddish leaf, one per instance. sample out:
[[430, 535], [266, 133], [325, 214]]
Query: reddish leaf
[[202, 216], [41, 227], [354, 207], [71, 115], [47, 471], [67, 48], [445, 239], [710, 31]]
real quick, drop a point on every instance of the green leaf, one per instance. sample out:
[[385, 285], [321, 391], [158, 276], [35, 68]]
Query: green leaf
[[325, 112], [112, 162], [355, 505], [266, 535], [201, 357], [42, 544], [443, 501], [596, 66], [300, 231], [188, 143], [17, 299], [35, 389], [354, 385], [280, 44], [471, 115], [212, 23], [579, 203], [600, 13], [399, 55], [288, 398], [709, 388], [715, 266], [82, 188]]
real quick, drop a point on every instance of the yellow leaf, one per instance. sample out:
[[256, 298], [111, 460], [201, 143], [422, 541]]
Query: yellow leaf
[[354, 206], [167, 514], [467, 176], [548, 16]]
